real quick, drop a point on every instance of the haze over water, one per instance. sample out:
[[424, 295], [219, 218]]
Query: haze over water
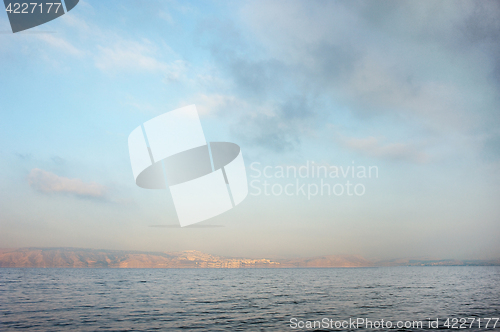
[[240, 299]]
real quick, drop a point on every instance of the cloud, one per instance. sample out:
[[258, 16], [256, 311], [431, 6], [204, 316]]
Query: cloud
[[128, 55], [60, 44], [23, 156], [50, 183], [216, 103], [277, 126], [113, 52], [58, 160], [266, 130], [374, 147], [435, 62]]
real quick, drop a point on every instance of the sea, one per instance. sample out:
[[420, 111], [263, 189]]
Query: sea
[[308, 299]]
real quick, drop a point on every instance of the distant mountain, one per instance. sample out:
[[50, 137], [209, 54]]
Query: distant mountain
[[328, 261], [91, 258], [437, 262], [78, 258]]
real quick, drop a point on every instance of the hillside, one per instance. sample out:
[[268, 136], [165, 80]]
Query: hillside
[[92, 258]]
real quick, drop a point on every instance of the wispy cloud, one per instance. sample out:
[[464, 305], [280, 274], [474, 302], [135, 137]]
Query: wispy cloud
[[129, 56], [215, 103], [375, 147], [112, 52], [60, 44], [48, 182]]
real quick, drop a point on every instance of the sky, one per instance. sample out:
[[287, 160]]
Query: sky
[[409, 88]]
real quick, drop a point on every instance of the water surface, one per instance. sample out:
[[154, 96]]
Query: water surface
[[240, 299]]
